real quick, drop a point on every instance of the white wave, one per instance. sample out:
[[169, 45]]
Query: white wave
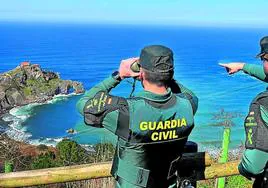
[[54, 141], [60, 97], [45, 141], [18, 134], [7, 118], [88, 147], [68, 95], [15, 130], [58, 139]]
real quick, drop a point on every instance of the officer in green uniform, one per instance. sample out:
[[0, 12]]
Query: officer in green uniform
[[152, 127], [255, 158]]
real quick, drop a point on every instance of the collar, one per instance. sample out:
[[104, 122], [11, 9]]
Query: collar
[[155, 97]]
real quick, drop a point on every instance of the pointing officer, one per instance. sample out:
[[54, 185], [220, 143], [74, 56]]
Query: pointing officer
[[254, 162], [152, 127]]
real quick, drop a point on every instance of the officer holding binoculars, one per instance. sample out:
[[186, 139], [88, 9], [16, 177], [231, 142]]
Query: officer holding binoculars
[[152, 127]]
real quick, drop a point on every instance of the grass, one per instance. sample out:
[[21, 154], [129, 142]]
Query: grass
[[40, 86], [238, 182], [231, 182], [27, 91]]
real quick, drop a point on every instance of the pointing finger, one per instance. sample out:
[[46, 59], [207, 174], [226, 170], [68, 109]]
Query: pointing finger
[[223, 65]]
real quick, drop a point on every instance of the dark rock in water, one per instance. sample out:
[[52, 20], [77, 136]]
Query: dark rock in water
[[29, 83], [71, 131]]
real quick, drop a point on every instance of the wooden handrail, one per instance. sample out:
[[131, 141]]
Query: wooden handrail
[[90, 171], [55, 175], [222, 170]]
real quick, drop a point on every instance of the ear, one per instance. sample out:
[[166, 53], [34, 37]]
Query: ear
[[141, 76]]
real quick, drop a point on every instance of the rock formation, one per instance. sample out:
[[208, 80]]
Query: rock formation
[[29, 83]]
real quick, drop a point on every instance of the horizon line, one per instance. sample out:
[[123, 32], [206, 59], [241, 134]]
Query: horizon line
[[116, 23]]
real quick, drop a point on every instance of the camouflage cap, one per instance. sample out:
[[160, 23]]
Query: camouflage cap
[[264, 46], [157, 58]]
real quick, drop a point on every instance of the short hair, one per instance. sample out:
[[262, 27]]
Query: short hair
[[160, 79]]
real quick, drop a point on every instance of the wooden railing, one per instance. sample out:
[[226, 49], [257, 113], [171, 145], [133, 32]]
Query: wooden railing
[[101, 170], [200, 161]]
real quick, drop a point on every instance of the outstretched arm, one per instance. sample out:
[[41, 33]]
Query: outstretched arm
[[256, 71]]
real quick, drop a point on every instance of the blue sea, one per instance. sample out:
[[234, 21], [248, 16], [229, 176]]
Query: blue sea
[[90, 53]]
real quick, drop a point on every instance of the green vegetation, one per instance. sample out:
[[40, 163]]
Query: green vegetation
[[71, 153], [231, 182], [67, 152], [238, 182], [42, 147], [27, 91], [46, 160], [54, 82], [40, 86]]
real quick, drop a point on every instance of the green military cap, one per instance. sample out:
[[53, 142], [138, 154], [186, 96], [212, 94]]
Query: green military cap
[[264, 46], [157, 58]]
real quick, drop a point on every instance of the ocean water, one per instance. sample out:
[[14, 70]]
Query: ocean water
[[90, 53]]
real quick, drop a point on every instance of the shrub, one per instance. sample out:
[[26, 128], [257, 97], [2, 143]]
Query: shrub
[[46, 160], [71, 153]]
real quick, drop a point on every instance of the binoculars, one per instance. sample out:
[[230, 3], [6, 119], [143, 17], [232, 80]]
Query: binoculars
[[135, 67]]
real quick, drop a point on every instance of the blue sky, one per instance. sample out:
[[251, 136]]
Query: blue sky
[[172, 12]]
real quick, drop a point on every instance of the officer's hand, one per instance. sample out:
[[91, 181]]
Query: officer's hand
[[124, 69], [232, 68]]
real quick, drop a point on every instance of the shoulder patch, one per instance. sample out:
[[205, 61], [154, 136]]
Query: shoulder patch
[[97, 107], [100, 103]]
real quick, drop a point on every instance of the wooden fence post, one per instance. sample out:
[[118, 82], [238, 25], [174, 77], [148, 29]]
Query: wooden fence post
[[220, 182]]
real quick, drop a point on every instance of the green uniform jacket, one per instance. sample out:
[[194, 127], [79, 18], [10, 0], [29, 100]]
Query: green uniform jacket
[[146, 112], [253, 160]]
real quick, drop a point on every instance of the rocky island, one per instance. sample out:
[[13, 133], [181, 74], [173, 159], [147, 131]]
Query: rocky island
[[29, 83]]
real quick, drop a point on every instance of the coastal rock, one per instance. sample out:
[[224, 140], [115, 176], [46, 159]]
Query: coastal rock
[[65, 86], [30, 83], [2, 94], [14, 97], [50, 75], [4, 105], [78, 87]]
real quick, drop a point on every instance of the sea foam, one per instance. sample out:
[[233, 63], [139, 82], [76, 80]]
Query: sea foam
[[18, 116]]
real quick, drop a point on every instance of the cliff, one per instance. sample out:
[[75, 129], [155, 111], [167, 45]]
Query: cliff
[[30, 83]]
